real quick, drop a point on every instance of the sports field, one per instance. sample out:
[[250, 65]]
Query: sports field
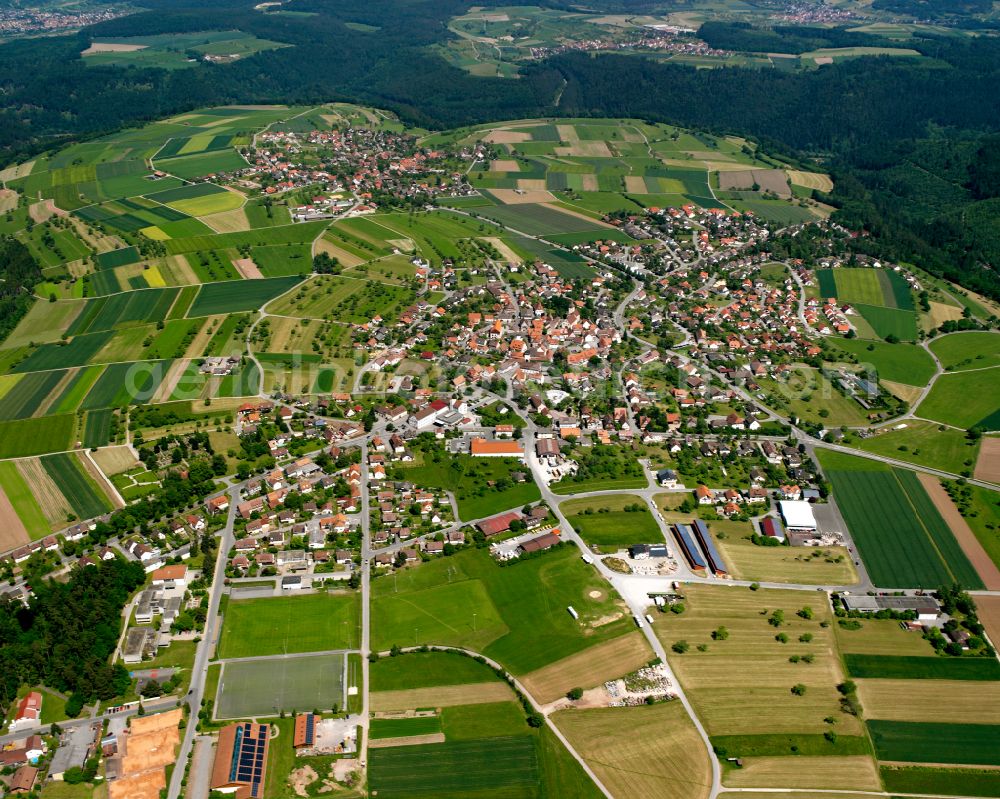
[[282, 625], [516, 615], [661, 754], [255, 688], [900, 534]]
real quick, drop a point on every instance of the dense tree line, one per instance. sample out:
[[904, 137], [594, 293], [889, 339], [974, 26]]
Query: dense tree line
[[19, 272], [65, 638]]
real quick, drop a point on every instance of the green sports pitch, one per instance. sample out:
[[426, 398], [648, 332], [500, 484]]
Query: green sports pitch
[[265, 687]]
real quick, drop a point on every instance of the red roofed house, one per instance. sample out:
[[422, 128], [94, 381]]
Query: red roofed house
[[29, 712]]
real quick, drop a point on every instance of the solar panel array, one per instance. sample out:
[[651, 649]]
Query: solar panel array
[[249, 756]]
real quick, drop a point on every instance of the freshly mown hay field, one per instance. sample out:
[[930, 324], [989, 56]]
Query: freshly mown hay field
[[47, 493], [233, 296], [804, 565], [900, 534], [943, 781], [965, 399], [253, 688], [281, 625], [913, 742], [426, 670], [742, 685], [641, 752], [900, 363], [23, 438], [613, 522], [878, 287], [908, 667], [926, 444], [970, 350], [443, 696], [857, 773], [520, 611], [953, 701], [115, 460], [471, 483], [593, 666], [988, 462]]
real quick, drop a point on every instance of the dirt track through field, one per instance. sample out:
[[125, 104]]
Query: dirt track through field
[[988, 464], [442, 696], [973, 550], [12, 532]]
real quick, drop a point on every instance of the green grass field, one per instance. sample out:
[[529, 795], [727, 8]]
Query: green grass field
[[965, 399], [971, 350], [281, 625], [616, 528], [21, 438], [520, 611], [470, 484], [923, 742], [257, 688], [426, 670], [20, 497], [232, 296], [900, 534], [405, 727], [924, 443], [899, 363], [509, 764], [946, 782], [903, 667], [890, 321]]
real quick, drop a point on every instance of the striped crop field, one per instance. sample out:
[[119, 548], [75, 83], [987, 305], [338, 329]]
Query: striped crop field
[[900, 534], [86, 499]]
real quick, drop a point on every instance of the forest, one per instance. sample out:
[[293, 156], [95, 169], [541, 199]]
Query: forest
[[19, 272], [65, 638], [870, 121]]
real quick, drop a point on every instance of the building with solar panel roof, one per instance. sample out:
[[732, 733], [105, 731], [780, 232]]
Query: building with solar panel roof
[[241, 760]]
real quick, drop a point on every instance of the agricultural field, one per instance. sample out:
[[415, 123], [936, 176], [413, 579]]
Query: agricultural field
[[426, 670], [516, 615], [246, 295], [926, 444], [21, 438], [911, 546], [612, 522], [899, 363], [22, 517], [808, 394], [809, 565], [273, 626], [937, 742], [965, 399], [660, 755], [78, 486], [169, 51], [259, 688], [971, 350], [740, 685]]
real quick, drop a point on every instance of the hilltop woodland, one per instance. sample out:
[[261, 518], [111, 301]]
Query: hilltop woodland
[[907, 139], [65, 639]]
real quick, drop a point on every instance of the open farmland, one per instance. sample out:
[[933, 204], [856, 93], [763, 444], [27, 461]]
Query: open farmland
[[909, 545], [661, 754], [936, 742], [742, 685], [255, 627], [30, 521], [952, 701], [252, 688], [924, 443], [965, 399], [857, 772], [901, 363], [969, 350], [83, 494], [22, 438], [921, 667], [246, 295], [427, 670], [809, 565], [516, 615]]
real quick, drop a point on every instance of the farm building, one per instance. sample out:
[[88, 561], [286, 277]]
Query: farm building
[[691, 552], [715, 561], [544, 541], [770, 526], [498, 524], [305, 731], [241, 760], [798, 515], [926, 607]]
